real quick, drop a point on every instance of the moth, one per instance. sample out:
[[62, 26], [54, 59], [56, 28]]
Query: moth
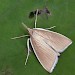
[[47, 45], [40, 12]]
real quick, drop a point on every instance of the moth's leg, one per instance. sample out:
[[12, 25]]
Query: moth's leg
[[19, 37], [36, 18], [28, 46], [51, 27], [28, 51]]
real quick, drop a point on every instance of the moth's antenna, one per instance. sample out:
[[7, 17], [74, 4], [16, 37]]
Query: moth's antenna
[[25, 26], [22, 35], [36, 17]]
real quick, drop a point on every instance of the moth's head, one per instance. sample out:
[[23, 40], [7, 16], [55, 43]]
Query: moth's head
[[29, 30]]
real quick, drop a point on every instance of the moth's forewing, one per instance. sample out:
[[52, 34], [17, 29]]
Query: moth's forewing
[[47, 45], [57, 41], [45, 54]]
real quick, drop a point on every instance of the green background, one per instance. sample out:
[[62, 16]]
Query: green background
[[13, 52]]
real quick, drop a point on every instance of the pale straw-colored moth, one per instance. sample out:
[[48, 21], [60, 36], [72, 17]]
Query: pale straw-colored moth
[[47, 45]]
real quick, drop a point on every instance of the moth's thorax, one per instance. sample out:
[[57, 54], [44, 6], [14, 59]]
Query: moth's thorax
[[34, 33]]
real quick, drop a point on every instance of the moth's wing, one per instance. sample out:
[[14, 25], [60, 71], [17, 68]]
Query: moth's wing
[[45, 54], [57, 41]]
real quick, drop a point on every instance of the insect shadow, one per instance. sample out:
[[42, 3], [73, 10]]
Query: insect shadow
[[40, 12]]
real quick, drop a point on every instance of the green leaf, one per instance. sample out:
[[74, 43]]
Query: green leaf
[[13, 52]]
